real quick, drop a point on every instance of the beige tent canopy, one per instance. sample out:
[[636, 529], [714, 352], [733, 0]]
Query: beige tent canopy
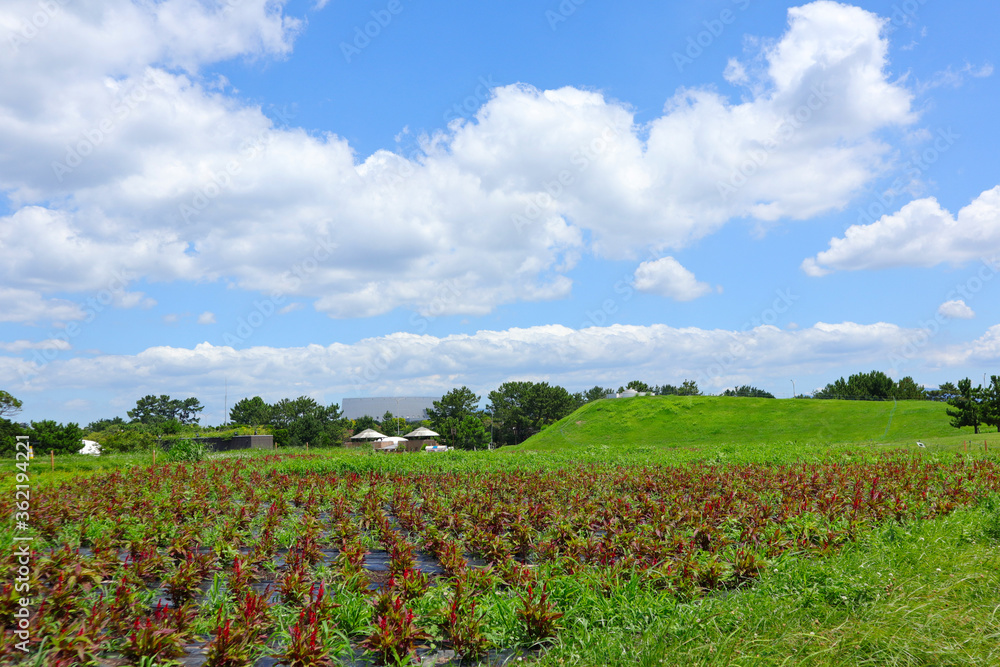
[[368, 434], [422, 432]]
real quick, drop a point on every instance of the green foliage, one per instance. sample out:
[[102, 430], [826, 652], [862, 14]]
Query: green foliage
[[874, 386], [127, 439], [908, 390], [9, 406], [303, 420], [250, 411], [455, 418], [747, 391], [158, 409], [468, 432], [187, 450], [47, 435], [967, 409], [687, 388], [9, 431], [104, 424], [596, 393], [990, 397], [639, 386], [520, 409]]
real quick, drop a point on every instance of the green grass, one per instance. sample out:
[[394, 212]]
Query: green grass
[[922, 594], [702, 422]]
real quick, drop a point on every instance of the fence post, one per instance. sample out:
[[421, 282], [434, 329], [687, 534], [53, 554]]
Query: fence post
[[52, 461]]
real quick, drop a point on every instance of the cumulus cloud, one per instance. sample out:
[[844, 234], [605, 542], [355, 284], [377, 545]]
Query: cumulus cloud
[[127, 160], [425, 365], [29, 306], [921, 233], [956, 309], [666, 277], [207, 317]]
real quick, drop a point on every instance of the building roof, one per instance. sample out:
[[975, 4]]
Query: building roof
[[410, 408]]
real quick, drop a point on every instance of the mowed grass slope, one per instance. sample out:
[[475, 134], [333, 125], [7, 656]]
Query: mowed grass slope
[[695, 422]]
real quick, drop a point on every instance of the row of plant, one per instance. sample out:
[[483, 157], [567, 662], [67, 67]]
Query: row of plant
[[235, 559]]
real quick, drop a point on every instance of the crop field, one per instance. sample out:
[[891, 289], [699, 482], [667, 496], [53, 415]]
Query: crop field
[[854, 557]]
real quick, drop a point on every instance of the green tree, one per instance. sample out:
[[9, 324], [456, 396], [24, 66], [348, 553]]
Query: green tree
[[908, 390], [157, 409], [943, 393], [968, 410], [871, 386], [9, 406], [286, 411], [365, 422], [991, 402], [127, 439], [747, 391], [47, 435], [687, 388], [639, 386], [9, 430], [596, 393], [448, 414], [104, 424], [251, 412], [459, 403], [520, 409]]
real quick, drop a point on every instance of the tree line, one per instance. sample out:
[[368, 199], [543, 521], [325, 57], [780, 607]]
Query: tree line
[[514, 411]]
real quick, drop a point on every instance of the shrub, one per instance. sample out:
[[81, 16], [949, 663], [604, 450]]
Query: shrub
[[127, 440], [187, 450]]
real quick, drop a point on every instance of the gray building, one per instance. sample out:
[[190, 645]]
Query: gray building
[[411, 408]]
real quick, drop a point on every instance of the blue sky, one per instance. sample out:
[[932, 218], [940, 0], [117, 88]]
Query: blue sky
[[233, 198]]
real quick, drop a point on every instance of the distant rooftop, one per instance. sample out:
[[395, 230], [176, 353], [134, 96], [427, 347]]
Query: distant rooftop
[[410, 408]]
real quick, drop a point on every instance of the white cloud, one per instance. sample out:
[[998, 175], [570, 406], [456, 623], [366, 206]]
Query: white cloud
[[921, 233], [424, 365], [666, 277], [23, 305], [498, 209], [206, 318], [956, 309], [47, 344]]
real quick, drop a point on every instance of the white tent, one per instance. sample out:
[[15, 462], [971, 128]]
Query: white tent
[[368, 434], [91, 447], [422, 432]]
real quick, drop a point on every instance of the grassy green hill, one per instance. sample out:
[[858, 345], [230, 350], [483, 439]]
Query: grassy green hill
[[709, 422]]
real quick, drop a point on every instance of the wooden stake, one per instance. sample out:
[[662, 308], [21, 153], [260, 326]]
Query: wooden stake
[[52, 460], [307, 446], [154, 457]]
